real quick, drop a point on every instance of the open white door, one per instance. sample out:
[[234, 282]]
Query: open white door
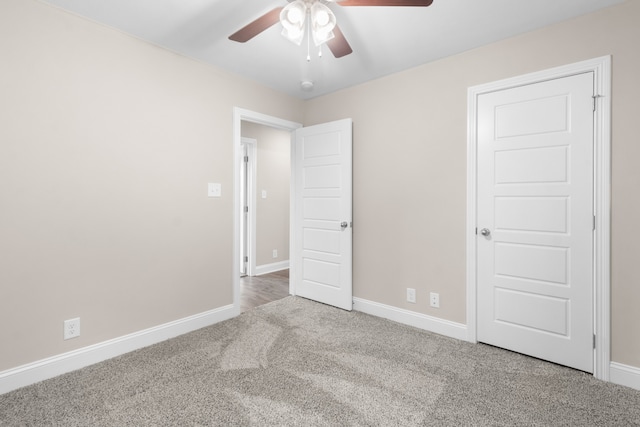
[[323, 213]]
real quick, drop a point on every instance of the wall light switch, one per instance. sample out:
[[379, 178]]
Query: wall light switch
[[264, 194], [214, 189]]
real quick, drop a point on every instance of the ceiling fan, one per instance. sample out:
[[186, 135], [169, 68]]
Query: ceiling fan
[[317, 19]]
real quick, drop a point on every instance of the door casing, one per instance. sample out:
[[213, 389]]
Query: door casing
[[250, 215], [240, 115], [601, 67]]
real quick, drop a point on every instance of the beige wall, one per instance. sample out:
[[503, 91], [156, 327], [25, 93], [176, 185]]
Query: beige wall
[[106, 147], [410, 165], [107, 143], [273, 175]]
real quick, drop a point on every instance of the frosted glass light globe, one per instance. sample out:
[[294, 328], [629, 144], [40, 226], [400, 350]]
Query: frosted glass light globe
[[322, 18], [295, 15]]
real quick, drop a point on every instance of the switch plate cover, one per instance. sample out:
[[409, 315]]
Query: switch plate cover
[[214, 189]]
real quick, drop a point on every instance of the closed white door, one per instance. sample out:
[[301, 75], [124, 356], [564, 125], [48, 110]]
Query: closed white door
[[323, 213], [535, 220]]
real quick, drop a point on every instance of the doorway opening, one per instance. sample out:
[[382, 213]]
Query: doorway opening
[[262, 208], [265, 166]]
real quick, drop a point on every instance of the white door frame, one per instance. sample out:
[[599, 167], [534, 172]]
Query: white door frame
[[240, 114], [601, 67], [250, 238]]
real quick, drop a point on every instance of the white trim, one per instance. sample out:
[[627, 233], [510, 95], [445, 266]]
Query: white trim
[[252, 173], [411, 318], [601, 67], [57, 365], [292, 214], [240, 114], [271, 268], [602, 249], [625, 375]]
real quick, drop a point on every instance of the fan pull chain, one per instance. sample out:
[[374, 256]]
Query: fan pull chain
[[308, 42]]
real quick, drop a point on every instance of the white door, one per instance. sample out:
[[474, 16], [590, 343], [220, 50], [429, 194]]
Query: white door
[[535, 220], [322, 226]]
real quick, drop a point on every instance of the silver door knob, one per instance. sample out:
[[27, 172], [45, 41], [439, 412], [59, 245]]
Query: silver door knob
[[485, 232], [344, 224]]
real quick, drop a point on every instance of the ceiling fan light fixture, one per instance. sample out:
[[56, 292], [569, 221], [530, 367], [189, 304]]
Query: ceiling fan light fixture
[[294, 35], [292, 18], [295, 14], [319, 38], [321, 18], [323, 21]]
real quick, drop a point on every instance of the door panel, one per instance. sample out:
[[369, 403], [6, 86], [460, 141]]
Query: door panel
[[513, 118], [319, 240], [535, 197], [323, 202], [546, 214], [523, 309], [531, 165], [320, 177]]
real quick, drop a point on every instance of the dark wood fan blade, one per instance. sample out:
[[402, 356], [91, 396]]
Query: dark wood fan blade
[[338, 45], [414, 3], [256, 27]]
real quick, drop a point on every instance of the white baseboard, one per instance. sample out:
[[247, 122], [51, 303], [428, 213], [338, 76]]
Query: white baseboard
[[624, 375], [411, 318], [57, 365], [271, 268]]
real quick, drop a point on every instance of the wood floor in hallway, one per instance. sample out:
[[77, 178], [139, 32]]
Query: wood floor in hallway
[[258, 290]]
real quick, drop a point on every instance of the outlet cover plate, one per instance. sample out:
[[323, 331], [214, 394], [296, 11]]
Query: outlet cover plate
[[411, 295], [72, 328], [434, 299]]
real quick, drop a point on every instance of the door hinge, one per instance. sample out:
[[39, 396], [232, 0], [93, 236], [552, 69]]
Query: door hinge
[[595, 102], [594, 222], [246, 259], [476, 231], [594, 340], [246, 158], [246, 209]]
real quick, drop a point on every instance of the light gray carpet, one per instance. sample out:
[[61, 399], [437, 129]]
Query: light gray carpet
[[299, 363]]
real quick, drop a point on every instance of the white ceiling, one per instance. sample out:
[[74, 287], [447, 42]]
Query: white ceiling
[[384, 39]]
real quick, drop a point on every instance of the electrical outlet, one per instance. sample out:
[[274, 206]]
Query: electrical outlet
[[275, 253], [434, 300], [411, 295], [71, 328]]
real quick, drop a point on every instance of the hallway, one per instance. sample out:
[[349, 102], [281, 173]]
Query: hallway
[[258, 290]]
